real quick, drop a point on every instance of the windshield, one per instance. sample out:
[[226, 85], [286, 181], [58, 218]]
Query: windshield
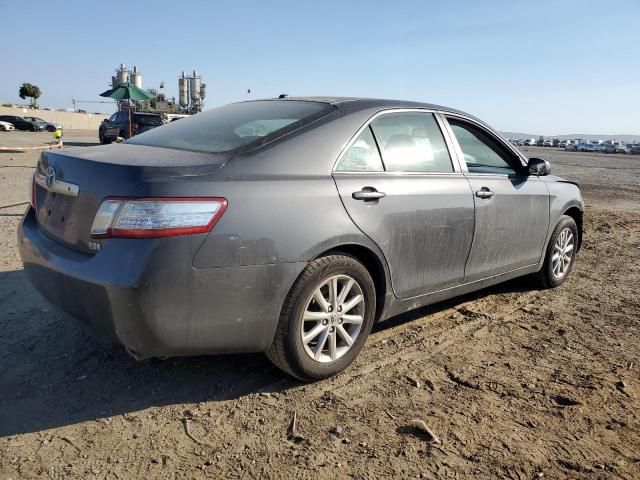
[[234, 126]]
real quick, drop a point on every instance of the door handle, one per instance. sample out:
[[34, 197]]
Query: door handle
[[484, 192], [367, 194]]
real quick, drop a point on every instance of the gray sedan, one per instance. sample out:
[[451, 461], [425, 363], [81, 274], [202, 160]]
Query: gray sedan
[[290, 227]]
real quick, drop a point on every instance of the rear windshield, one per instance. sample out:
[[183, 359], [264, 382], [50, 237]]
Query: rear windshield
[[234, 126], [151, 120]]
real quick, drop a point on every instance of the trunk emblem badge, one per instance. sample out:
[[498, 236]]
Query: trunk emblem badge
[[50, 178], [49, 182]]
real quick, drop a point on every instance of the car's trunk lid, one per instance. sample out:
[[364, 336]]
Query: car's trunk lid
[[72, 184]]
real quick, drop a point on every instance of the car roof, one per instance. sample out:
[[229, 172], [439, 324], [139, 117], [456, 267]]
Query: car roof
[[362, 103]]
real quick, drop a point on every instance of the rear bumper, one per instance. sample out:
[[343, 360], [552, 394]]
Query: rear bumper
[[146, 295]]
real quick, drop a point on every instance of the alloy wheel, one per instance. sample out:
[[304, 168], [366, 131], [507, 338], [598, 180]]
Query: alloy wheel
[[332, 318], [562, 253]]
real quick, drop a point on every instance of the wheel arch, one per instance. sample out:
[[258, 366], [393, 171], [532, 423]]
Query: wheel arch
[[373, 263], [577, 214]]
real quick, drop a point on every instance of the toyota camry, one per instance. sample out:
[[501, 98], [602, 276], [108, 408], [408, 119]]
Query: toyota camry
[[290, 226]]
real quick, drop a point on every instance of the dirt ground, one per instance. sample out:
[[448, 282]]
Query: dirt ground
[[517, 383]]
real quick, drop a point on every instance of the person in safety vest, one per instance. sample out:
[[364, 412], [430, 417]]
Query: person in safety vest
[[57, 134]]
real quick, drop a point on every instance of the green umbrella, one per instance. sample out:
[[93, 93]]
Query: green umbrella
[[127, 91]]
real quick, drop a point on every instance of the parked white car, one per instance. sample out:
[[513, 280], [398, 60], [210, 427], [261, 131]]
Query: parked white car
[[6, 126]]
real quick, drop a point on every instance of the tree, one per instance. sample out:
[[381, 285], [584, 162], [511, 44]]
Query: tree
[[27, 90]]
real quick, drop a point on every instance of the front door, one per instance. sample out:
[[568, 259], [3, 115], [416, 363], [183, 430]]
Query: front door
[[511, 206], [401, 188]]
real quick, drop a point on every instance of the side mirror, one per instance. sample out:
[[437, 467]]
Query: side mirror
[[539, 167]]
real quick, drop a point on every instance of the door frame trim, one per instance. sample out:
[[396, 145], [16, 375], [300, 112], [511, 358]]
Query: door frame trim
[[455, 162]]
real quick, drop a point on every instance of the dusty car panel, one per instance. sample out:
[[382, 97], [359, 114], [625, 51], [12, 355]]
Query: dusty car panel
[[420, 236], [510, 227]]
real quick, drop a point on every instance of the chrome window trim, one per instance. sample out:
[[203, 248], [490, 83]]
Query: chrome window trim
[[397, 174], [454, 161], [498, 175], [453, 142], [458, 166]]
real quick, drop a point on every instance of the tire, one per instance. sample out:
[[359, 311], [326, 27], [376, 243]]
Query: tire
[[290, 353], [552, 275], [103, 140]]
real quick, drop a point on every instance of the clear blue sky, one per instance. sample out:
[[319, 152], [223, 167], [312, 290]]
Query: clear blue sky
[[551, 67]]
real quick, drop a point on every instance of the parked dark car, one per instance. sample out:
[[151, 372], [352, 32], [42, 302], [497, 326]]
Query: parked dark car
[[290, 226], [118, 125], [44, 125], [21, 123], [608, 148], [635, 150]]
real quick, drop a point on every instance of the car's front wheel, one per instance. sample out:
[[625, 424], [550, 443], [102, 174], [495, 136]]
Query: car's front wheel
[[326, 318], [103, 140], [560, 254]]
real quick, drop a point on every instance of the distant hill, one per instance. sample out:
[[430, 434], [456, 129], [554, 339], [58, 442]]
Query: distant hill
[[586, 136]]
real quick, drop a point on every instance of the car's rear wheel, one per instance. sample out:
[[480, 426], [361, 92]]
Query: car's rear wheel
[[326, 318], [560, 254]]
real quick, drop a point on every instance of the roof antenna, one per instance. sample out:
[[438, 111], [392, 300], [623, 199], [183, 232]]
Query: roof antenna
[[283, 95]]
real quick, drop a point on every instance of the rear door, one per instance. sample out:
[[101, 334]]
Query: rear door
[[402, 188], [511, 206]]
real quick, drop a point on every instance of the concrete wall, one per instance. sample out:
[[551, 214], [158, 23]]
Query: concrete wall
[[68, 120]]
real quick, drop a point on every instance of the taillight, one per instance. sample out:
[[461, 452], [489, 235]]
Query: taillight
[[156, 217]]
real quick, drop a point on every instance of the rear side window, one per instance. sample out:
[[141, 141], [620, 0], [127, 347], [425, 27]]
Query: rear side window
[[362, 155], [150, 120], [234, 126], [411, 142]]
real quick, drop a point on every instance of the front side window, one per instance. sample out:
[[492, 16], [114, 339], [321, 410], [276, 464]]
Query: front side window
[[234, 126], [362, 155], [411, 142], [482, 153]]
